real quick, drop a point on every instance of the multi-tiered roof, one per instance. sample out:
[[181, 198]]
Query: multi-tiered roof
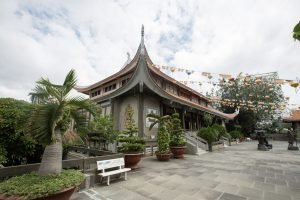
[[141, 72]]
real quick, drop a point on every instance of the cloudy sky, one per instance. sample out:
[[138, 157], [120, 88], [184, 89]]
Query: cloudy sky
[[48, 38]]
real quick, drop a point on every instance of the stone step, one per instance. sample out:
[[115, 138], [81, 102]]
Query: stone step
[[200, 151]]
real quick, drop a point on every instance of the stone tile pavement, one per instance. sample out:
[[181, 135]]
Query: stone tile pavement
[[239, 172]]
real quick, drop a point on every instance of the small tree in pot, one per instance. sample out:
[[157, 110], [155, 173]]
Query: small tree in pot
[[209, 134], [131, 145], [178, 141], [163, 136]]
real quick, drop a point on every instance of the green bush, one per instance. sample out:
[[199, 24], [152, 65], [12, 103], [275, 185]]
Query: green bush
[[131, 144], [32, 186], [2, 155], [176, 131], [130, 141], [163, 139], [235, 134], [220, 129], [209, 134]]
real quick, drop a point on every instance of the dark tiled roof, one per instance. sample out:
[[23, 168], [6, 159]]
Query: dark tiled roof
[[295, 116]]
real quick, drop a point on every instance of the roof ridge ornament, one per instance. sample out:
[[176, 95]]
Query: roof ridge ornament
[[142, 40]]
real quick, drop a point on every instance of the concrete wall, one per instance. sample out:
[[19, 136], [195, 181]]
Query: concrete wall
[[150, 102]]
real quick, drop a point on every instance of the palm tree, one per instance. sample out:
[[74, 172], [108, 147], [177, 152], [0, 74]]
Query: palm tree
[[51, 117]]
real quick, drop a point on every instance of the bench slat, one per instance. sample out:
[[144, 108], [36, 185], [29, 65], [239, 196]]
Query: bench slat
[[114, 172]]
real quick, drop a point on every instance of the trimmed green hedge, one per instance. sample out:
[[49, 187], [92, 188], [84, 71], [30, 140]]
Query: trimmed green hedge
[[235, 134], [31, 186]]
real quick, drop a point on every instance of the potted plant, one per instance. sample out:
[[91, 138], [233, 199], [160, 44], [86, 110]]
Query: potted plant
[[163, 136], [177, 141], [131, 145], [33, 186], [51, 117], [209, 134]]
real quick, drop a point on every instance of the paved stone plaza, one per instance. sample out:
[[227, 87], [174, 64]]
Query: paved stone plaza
[[235, 173]]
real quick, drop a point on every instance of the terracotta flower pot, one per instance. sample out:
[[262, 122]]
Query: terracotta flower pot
[[132, 160], [163, 156], [61, 195], [178, 151]]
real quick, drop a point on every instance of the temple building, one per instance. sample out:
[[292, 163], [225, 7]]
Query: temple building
[[294, 118], [148, 90]]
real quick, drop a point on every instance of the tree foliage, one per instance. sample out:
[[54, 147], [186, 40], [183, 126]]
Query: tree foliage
[[176, 131], [130, 140], [257, 98], [220, 129], [163, 134], [17, 147], [102, 126], [296, 32], [209, 134], [55, 109], [55, 112], [130, 127]]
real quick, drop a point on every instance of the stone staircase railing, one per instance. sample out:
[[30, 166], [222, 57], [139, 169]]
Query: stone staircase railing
[[192, 136], [226, 141]]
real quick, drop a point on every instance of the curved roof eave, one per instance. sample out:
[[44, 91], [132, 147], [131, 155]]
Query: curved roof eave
[[129, 67], [142, 76]]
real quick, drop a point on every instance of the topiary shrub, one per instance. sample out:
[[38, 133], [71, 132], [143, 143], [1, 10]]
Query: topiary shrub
[[209, 134], [235, 134], [220, 129], [130, 141], [163, 139], [32, 186], [131, 144], [176, 132]]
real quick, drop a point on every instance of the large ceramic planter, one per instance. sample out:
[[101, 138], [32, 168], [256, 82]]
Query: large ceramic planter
[[61, 195], [178, 151], [132, 160], [163, 156]]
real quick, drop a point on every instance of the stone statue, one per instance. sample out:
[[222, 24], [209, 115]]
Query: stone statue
[[292, 137], [263, 143]]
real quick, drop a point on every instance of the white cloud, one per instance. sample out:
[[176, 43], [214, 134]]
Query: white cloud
[[49, 38]]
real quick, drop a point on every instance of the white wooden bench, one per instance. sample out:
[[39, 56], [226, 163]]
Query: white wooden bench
[[103, 165]]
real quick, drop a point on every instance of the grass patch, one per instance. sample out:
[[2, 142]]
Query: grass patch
[[31, 186]]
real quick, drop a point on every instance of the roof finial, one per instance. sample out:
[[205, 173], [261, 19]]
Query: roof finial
[[142, 40], [142, 32]]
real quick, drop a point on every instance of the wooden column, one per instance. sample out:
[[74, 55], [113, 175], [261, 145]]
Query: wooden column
[[183, 120], [141, 110], [197, 122]]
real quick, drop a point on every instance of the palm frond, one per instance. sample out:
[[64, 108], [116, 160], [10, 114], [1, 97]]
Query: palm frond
[[153, 124], [70, 82], [39, 94], [71, 137], [41, 123]]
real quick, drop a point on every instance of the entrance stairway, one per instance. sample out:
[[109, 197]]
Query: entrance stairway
[[195, 145]]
